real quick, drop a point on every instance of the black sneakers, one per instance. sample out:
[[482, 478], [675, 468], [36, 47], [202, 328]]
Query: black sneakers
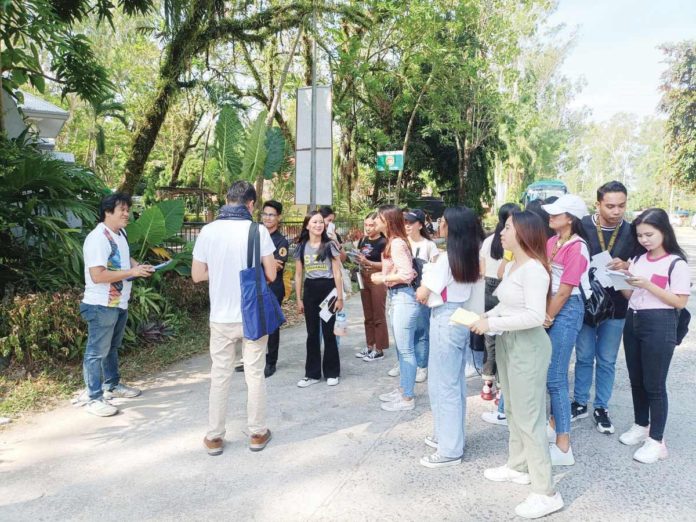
[[601, 418], [577, 411]]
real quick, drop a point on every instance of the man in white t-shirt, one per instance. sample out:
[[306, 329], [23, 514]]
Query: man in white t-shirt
[[108, 266], [219, 256]]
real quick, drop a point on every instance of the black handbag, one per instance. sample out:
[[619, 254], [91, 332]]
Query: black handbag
[[599, 306]]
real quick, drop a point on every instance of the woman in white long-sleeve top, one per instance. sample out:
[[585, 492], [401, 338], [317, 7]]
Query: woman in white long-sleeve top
[[523, 352]]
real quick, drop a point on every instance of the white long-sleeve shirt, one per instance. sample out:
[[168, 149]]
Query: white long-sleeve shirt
[[522, 296]]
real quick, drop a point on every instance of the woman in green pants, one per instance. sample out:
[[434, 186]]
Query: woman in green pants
[[523, 352]]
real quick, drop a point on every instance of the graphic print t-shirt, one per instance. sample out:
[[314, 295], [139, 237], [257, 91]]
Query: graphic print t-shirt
[[313, 267], [104, 247], [372, 248]]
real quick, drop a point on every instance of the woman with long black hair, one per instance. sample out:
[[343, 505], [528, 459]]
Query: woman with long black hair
[[452, 276], [491, 258], [662, 284], [317, 257]]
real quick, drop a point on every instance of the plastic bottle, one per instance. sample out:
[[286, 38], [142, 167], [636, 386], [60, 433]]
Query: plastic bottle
[[341, 325]]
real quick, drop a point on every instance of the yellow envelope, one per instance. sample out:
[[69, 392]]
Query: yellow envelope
[[464, 317]]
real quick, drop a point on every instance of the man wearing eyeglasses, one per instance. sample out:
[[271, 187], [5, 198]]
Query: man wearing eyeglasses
[[271, 216]]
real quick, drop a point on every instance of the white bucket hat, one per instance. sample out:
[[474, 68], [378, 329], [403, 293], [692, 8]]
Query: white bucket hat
[[567, 203]]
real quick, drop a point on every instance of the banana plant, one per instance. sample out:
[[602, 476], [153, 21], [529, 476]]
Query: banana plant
[[263, 151]]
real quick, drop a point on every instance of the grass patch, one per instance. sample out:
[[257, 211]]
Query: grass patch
[[22, 392]]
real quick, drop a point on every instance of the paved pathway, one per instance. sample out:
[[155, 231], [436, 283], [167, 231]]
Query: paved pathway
[[334, 456]]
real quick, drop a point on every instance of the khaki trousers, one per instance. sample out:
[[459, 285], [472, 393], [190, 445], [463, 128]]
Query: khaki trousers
[[226, 344], [523, 362]]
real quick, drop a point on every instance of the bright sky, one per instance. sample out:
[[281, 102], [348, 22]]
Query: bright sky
[[616, 50]]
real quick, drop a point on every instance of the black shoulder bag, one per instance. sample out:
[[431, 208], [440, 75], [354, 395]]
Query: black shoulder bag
[[683, 315]]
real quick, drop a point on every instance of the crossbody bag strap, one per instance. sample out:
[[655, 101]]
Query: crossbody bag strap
[[253, 228], [255, 240]]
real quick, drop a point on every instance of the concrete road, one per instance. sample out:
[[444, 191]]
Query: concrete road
[[334, 455]]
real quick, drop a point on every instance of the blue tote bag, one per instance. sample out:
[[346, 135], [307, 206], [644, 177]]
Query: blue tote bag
[[261, 313]]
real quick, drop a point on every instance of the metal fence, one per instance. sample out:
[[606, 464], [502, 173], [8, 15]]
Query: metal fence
[[289, 228]]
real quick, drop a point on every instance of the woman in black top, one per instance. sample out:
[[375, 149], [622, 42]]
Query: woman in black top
[[374, 297]]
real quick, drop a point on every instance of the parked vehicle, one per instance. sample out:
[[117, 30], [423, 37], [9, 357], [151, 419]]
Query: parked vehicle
[[543, 189]]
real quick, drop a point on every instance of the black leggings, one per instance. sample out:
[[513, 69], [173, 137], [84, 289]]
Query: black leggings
[[315, 291], [649, 340]]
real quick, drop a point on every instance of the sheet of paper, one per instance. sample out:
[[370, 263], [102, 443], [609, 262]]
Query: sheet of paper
[[601, 260], [603, 277], [465, 317], [325, 313], [619, 282]]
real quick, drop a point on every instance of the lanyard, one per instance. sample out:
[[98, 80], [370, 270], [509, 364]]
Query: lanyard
[[612, 239]]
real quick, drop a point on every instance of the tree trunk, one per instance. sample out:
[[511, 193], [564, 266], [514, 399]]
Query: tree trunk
[[463, 158], [146, 135], [407, 138], [181, 150], [346, 156], [274, 108]]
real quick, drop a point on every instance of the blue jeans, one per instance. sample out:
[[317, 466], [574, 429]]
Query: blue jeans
[[599, 343], [446, 381], [403, 315], [563, 333], [423, 336], [105, 329]]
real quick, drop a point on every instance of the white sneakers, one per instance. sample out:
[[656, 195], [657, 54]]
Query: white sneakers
[[395, 371], [306, 381], [101, 408], [421, 374], [558, 458], [399, 404], [493, 417], [332, 381], [537, 506], [651, 451], [505, 474], [635, 435], [430, 441]]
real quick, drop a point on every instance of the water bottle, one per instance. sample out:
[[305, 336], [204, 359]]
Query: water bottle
[[341, 325]]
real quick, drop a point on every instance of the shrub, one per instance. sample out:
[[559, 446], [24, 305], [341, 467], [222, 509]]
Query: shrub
[[184, 294], [42, 327]]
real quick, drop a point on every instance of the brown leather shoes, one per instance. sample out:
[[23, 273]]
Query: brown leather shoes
[[214, 447], [258, 442]]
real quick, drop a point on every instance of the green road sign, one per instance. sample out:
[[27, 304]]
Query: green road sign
[[390, 160]]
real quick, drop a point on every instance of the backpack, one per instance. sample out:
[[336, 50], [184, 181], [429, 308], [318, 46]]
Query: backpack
[[599, 306], [683, 315]]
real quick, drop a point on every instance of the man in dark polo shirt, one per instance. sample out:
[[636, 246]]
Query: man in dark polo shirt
[[597, 347], [271, 216]]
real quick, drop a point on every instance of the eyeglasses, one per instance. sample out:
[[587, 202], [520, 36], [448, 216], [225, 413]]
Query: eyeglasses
[[266, 215]]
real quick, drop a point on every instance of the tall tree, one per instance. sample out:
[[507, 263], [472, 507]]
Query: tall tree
[[679, 102]]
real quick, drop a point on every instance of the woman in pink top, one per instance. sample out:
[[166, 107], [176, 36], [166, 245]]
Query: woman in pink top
[[569, 259], [662, 287], [398, 274]]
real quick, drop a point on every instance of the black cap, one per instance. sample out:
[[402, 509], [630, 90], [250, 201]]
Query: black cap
[[415, 215]]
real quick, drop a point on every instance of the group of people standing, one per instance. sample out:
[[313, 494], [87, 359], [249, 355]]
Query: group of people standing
[[530, 280]]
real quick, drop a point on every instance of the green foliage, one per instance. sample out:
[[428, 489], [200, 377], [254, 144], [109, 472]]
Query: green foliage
[[275, 157], [184, 294], [30, 25], [38, 197], [157, 224], [255, 149], [42, 328], [228, 135], [679, 102]]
